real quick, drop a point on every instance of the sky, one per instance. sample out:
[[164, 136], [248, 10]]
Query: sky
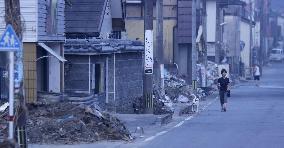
[[278, 4]]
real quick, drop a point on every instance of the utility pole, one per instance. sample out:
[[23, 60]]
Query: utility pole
[[261, 33], [148, 57], [203, 16], [194, 52], [250, 40], [266, 8], [204, 25], [219, 34], [11, 96], [159, 54], [16, 88]]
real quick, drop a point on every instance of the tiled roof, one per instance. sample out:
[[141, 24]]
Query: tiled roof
[[230, 2], [97, 46]]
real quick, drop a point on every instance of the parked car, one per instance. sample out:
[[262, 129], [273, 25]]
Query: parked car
[[276, 55]]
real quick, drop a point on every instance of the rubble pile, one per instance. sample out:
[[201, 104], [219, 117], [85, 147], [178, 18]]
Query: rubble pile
[[212, 73], [162, 103], [175, 86], [178, 90], [4, 110], [8, 144], [68, 123]]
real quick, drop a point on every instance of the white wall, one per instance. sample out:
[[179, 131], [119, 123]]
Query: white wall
[[245, 36], [28, 12], [231, 35], [256, 34], [54, 69], [280, 21], [211, 20]]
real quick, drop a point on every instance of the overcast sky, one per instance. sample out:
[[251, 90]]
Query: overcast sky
[[278, 4]]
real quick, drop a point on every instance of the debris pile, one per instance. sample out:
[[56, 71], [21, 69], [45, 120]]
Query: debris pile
[[177, 89], [212, 73], [68, 123], [8, 144], [3, 120], [176, 86], [162, 103]]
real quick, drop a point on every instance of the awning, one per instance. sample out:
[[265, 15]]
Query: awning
[[48, 49]]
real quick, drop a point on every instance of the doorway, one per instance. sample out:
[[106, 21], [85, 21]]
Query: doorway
[[98, 78]]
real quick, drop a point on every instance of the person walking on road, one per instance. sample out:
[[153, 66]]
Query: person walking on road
[[256, 74], [224, 87]]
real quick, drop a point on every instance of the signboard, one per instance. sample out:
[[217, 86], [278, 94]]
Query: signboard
[[18, 71], [149, 61], [9, 40]]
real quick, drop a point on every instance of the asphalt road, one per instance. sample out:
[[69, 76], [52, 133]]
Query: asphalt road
[[255, 119]]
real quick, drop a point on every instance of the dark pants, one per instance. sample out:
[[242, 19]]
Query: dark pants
[[223, 97], [257, 78]]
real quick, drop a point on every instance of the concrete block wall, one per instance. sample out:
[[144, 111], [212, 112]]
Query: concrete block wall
[[129, 81]]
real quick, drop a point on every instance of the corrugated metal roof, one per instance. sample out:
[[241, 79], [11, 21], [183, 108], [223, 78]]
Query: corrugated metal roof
[[98, 46]]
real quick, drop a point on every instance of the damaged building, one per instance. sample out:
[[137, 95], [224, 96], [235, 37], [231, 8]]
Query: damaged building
[[109, 70], [100, 63], [43, 39]]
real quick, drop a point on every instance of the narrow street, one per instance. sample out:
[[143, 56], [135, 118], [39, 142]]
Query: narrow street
[[141, 73], [255, 119]]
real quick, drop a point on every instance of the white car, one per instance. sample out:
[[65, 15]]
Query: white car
[[276, 55]]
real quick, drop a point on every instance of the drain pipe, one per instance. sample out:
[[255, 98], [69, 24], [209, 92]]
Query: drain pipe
[[89, 74], [114, 79], [107, 81]]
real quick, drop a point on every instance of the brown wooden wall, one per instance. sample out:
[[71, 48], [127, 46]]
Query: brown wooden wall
[[30, 82]]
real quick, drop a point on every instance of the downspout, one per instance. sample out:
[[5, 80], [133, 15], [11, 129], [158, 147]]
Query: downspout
[[107, 80], [89, 74], [63, 70], [114, 79]]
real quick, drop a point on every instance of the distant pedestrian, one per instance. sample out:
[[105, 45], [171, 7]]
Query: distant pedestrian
[[256, 74], [224, 87]]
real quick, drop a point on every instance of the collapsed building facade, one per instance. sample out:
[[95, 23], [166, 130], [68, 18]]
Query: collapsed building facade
[[101, 62]]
